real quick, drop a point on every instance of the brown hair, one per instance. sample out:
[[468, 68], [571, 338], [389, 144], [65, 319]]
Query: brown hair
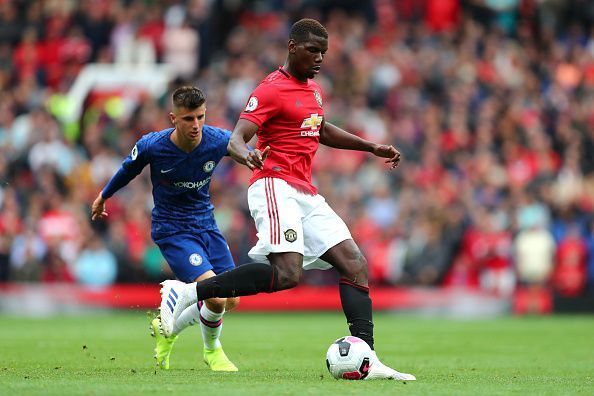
[[188, 97]]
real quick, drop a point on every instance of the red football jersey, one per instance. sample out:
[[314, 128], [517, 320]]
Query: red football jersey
[[289, 114]]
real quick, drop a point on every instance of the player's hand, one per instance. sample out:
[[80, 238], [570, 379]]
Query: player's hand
[[255, 158], [98, 208], [390, 152]]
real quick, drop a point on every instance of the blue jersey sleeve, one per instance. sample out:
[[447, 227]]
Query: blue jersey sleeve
[[131, 167]]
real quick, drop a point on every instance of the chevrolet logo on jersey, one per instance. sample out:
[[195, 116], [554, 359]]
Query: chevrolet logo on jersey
[[313, 124]]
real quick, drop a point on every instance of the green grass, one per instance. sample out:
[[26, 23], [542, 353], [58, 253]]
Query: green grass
[[283, 354]]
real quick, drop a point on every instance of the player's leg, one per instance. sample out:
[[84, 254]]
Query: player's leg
[[327, 237], [181, 252], [164, 345], [187, 257], [353, 287], [356, 303], [211, 325], [213, 309], [278, 220], [283, 272], [209, 315], [191, 314]]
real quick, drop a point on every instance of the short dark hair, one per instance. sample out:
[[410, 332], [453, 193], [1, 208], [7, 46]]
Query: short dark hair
[[188, 97], [301, 30]]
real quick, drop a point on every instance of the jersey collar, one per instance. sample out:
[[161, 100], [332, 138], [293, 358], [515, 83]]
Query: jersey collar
[[291, 77]]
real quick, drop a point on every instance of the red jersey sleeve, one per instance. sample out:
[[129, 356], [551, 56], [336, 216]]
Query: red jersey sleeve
[[262, 105]]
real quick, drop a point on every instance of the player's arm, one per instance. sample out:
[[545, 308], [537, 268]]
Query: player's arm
[[333, 136], [238, 149], [131, 167]]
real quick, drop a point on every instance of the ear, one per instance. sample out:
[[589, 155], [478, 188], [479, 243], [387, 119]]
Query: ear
[[292, 46], [172, 118]]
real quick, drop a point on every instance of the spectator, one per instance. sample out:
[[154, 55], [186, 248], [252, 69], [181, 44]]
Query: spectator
[[482, 108], [534, 249], [570, 273], [181, 48], [55, 269], [26, 254], [95, 266]]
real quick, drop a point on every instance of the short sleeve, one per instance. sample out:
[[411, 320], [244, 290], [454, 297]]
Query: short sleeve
[[262, 105]]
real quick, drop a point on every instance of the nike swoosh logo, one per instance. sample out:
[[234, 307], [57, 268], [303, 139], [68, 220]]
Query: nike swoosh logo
[[167, 171]]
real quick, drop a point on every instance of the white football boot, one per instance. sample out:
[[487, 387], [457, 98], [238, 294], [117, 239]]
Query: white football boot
[[174, 299], [378, 370]]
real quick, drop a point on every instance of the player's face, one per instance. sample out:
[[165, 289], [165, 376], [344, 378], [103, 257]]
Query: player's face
[[189, 122], [308, 55]]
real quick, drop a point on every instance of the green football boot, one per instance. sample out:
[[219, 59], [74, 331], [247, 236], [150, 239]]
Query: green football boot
[[217, 360], [164, 344]]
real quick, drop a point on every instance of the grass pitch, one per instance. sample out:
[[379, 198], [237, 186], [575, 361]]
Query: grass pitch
[[283, 354]]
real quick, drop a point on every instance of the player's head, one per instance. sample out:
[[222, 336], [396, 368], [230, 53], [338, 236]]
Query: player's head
[[308, 42], [188, 112]]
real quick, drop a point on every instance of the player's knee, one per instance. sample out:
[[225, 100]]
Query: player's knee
[[288, 277], [216, 304], [231, 303], [288, 268], [356, 269]]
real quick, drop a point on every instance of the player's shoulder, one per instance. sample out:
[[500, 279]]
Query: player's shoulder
[[275, 76], [274, 80], [215, 132], [270, 89], [152, 138]]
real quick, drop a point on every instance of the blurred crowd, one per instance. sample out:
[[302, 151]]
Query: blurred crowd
[[491, 103]]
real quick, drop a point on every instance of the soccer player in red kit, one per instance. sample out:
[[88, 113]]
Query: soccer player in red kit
[[297, 229]]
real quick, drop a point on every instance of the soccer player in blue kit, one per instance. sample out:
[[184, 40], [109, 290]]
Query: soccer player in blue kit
[[181, 161]]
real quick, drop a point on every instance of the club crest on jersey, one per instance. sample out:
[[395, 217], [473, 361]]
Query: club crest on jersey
[[134, 153], [318, 97], [252, 104], [291, 235], [209, 166], [195, 259]]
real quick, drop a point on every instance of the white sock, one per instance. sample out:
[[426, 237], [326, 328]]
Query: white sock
[[211, 324], [192, 293], [189, 317]]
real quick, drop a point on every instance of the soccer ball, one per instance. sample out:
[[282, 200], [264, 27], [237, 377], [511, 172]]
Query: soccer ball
[[349, 358]]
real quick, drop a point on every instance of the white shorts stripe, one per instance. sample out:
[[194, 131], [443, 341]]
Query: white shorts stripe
[[272, 212], [268, 206], [276, 213], [269, 212]]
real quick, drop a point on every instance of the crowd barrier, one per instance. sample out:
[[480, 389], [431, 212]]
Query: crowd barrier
[[38, 299]]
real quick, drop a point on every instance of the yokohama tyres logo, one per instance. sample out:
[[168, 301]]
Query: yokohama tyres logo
[[191, 184]]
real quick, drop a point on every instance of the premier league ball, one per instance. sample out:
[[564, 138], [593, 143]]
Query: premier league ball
[[349, 358]]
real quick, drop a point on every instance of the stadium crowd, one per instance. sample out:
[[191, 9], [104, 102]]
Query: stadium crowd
[[491, 103]]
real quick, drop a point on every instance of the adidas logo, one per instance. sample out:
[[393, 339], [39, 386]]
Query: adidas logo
[[172, 299]]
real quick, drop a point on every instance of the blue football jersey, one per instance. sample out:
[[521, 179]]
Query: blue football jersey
[[180, 180]]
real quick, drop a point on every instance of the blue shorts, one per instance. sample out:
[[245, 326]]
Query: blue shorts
[[191, 255]]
